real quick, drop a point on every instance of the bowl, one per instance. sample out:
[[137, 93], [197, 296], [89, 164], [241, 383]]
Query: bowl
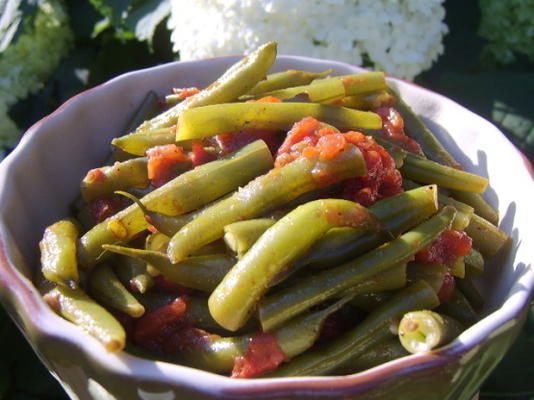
[[41, 177]]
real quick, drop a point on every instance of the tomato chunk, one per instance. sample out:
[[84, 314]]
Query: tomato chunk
[[393, 128], [447, 247], [161, 160], [263, 355]]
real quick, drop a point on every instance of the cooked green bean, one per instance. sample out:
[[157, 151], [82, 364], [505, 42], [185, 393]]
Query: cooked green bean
[[487, 238], [366, 101], [104, 181], [184, 193], [425, 171], [372, 330], [133, 274], [236, 81], [241, 235], [263, 194], [199, 122], [139, 142], [321, 92], [285, 79], [279, 307], [424, 330], [471, 293], [474, 263], [75, 306], [233, 300], [202, 272], [397, 214], [58, 253], [459, 308], [433, 274], [106, 288], [369, 301], [481, 206], [458, 268], [362, 82], [381, 353]]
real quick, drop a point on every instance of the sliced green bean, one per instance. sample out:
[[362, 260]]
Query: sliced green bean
[[422, 170], [234, 299], [273, 310], [424, 330], [285, 79], [321, 92], [474, 263], [370, 301], [236, 81], [133, 274], [487, 238], [481, 206], [241, 235], [397, 214], [471, 293], [104, 181], [366, 101], [106, 288], [433, 274], [211, 120], [458, 268], [202, 272], [263, 194], [58, 253], [76, 306], [372, 330], [184, 193]]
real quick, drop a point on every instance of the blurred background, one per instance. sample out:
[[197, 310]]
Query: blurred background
[[479, 53]]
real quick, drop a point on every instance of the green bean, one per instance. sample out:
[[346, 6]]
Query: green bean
[[75, 306], [424, 330], [425, 171], [392, 278], [232, 302], [275, 309], [264, 193], [366, 101], [381, 353], [58, 253], [184, 193], [241, 235], [295, 337], [433, 274], [487, 238], [139, 142], [202, 272], [106, 288], [285, 79], [362, 82], [133, 274], [372, 330], [474, 263], [237, 80], [481, 206], [369, 301], [471, 293], [227, 118], [322, 92], [458, 268], [397, 213], [459, 308], [434, 150], [104, 181]]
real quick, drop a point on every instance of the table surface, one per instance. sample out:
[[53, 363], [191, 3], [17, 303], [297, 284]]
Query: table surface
[[503, 95]]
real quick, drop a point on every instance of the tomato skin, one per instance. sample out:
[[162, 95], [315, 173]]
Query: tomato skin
[[199, 155], [446, 249], [393, 128], [185, 92], [104, 207], [447, 288], [263, 355]]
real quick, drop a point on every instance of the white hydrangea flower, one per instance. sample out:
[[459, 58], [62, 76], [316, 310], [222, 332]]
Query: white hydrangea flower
[[29, 61], [400, 37]]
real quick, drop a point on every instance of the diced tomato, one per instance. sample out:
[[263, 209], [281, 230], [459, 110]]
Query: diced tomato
[[447, 288], [185, 92], [104, 207], [263, 355], [199, 155], [153, 328], [267, 99], [230, 142], [126, 321], [161, 160], [447, 247], [393, 127]]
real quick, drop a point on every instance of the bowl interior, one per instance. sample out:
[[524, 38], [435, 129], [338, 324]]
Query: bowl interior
[[39, 180]]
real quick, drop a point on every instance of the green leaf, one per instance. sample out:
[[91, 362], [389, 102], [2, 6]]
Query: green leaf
[[114, 10], [145, 17]]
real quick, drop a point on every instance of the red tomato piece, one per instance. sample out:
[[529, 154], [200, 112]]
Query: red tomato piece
[[447, 247], [447, 288], [263, 355], [199, 155], [161, 160], [104, 207], [393, 127]]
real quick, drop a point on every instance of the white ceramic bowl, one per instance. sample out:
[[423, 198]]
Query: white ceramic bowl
[[42, 175]]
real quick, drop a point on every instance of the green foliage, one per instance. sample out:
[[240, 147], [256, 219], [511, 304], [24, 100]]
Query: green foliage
[[509, 27]]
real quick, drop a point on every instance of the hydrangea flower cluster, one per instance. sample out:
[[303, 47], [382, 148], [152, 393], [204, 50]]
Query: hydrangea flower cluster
[[26, 63], [400, 37]]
